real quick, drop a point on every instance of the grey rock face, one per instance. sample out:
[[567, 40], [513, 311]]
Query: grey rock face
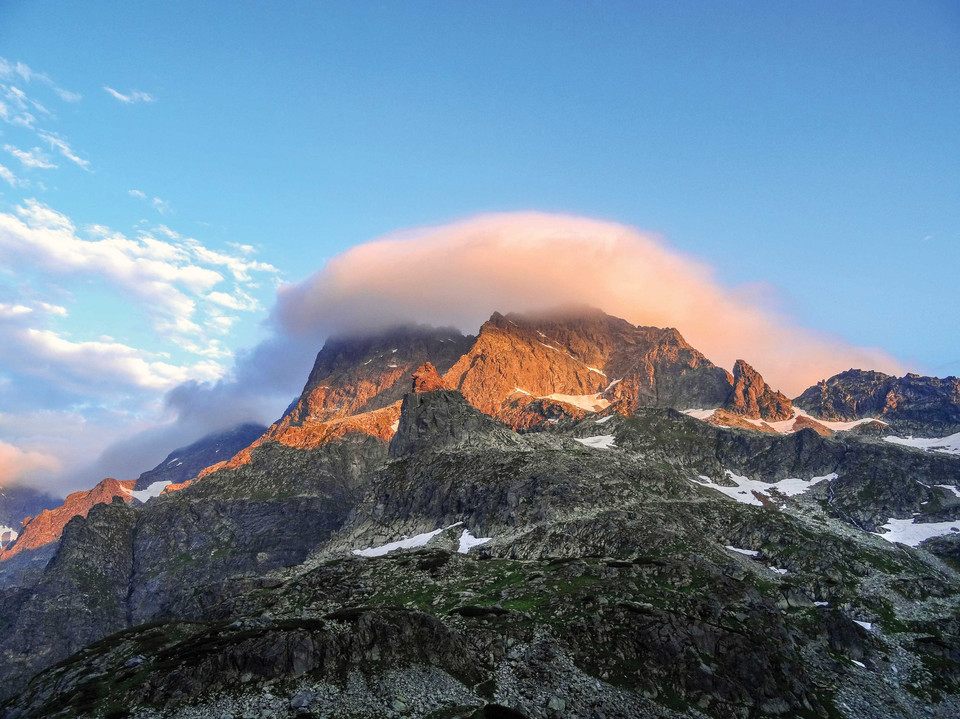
[[927, 406], [442, 420], [185, 463], [18, 502]]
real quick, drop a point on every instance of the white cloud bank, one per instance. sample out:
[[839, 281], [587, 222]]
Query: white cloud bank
[[460, 273]]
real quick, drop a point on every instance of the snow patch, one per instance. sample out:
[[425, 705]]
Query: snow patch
[[586, 402], [154, 490], [866, 625], [956, 492], [603, 441], [468, 541], [418, 540], [777, 570], [948, 445], [611, 385], [746, 489], [821, 604], [859, 664], [788, 426], [172, 461], [395, 426], [911, 533], [610, 416], [13, 532], [700, 413], [748, 552]]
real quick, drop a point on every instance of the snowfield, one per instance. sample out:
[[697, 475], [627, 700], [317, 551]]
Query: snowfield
[[466, 542], [154, 490], [948, 445], [603, 441], [788, 426], [746, 489], [910, 532]]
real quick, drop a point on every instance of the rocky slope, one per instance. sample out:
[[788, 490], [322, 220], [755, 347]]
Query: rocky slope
[[616, 579], [525, 370], [394, 547], [912, 404]]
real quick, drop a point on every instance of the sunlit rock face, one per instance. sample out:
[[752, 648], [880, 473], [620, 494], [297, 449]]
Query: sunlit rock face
[[751, 397], [529, 369], [47, 526]]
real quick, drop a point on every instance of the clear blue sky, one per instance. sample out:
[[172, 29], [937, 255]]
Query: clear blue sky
[[811, 146]]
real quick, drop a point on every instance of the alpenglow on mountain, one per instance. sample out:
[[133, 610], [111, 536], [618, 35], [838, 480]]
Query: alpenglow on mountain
[[563, 516]]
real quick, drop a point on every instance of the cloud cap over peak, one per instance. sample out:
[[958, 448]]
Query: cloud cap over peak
[[458, 274]]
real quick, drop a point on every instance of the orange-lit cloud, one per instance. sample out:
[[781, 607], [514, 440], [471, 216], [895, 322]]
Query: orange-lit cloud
[[17, 464], [458, 274]]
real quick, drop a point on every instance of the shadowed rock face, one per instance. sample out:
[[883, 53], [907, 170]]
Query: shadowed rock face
[[19, 501], [442, 420], [751, 397], [185, 463], [602, 561], [912, 403]]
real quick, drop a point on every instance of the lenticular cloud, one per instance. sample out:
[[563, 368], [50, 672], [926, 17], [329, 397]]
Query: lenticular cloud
[[458, 274]]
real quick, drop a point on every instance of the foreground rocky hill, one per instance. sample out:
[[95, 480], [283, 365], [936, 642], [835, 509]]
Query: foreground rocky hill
[[624, 559]]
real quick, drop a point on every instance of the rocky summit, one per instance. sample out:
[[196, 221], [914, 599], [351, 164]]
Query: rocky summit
[[564, 516]]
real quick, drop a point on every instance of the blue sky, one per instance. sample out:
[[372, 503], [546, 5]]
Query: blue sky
[[809, 149]]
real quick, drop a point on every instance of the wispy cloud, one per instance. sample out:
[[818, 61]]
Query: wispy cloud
[[61, 146], [160, 205], [35, 158], [10, 71], [131, 97], [173, 279], [7, 175], [8, 310]]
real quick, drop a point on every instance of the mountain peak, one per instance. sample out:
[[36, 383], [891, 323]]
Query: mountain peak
[[752, 397], [47, 526], [426, 378]]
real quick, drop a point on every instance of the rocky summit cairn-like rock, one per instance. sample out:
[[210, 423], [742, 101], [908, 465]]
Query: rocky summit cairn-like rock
[[752, 397], [441, 419], [426, 379]]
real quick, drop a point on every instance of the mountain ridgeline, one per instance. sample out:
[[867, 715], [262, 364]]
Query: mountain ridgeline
[[565, 515]]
